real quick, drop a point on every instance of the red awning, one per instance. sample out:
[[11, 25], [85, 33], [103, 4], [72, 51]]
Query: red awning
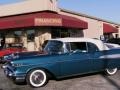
[[42, 19], [107, 28]]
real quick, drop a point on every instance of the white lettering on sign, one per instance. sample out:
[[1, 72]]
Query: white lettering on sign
[[48, 21]]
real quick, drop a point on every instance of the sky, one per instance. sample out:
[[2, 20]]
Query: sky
[[104, 9]]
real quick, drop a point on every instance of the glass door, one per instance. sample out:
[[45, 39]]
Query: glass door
[[31, 40]]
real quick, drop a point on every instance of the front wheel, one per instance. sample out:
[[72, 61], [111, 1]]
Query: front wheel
[[37, 78], [111, 71]]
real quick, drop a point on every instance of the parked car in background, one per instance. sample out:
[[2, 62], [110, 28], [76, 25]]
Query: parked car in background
[[112, 46], [11, 48], [16, 55], [114, 40], [65, 57]]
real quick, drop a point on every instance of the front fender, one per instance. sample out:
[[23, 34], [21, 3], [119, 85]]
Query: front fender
[[52, 68]]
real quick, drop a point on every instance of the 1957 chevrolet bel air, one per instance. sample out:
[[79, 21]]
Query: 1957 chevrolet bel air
[[65, 57]]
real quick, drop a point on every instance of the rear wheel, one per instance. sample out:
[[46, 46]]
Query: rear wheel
[[37, 78], [111, 71]]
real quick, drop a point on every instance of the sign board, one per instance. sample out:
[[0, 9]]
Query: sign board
[[48, 21]]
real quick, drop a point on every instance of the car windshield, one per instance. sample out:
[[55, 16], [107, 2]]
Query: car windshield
[[54, 47]]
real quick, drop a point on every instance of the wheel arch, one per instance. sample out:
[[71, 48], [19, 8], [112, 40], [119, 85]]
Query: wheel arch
[[48, 72]]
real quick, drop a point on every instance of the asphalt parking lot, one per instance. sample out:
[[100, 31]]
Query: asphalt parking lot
[[95, 81]]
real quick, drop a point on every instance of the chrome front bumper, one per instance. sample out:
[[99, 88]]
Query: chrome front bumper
[[9, 72]]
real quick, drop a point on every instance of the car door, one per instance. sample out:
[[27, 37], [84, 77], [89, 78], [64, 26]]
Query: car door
[[77, 61], [97, 63]]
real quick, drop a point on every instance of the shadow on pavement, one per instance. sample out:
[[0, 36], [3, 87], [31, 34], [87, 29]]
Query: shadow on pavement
[[111, 81]]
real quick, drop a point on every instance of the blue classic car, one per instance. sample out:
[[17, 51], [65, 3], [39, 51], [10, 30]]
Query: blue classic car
[[65, 57]]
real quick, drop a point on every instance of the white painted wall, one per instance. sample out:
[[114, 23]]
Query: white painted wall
[[28, 6], [95, 27]]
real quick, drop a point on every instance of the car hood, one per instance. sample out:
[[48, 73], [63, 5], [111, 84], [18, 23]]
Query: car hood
[[37, 59]]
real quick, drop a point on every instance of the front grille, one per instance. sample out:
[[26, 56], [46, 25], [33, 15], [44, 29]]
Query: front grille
[[9, 67]]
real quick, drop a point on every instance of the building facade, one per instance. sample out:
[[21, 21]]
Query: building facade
[[97, 27], [31, 22]]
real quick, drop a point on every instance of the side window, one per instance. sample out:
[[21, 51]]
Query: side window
[[92, 47], [81, 46], [67, 48]]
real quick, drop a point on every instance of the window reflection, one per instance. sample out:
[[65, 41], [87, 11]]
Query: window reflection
[[18, 35], [30, 35], [60, 32]]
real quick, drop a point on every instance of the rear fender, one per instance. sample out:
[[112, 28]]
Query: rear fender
[[113, 63]]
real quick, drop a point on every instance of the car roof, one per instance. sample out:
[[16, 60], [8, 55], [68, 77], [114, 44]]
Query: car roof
[[97, 42], [80, 39]]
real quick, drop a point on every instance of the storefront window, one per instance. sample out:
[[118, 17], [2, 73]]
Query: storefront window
[[60, 33], [30, 35], [108, 36], [64, 33], [55, 33], [18, 35], [76, 33], [2, 40]]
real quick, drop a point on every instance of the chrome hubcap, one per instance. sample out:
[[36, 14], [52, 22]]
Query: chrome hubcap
[[112, 71], [37, 78]]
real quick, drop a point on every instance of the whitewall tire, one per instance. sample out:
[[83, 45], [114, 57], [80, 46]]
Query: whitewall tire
[[37, 78], [111, 71]]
